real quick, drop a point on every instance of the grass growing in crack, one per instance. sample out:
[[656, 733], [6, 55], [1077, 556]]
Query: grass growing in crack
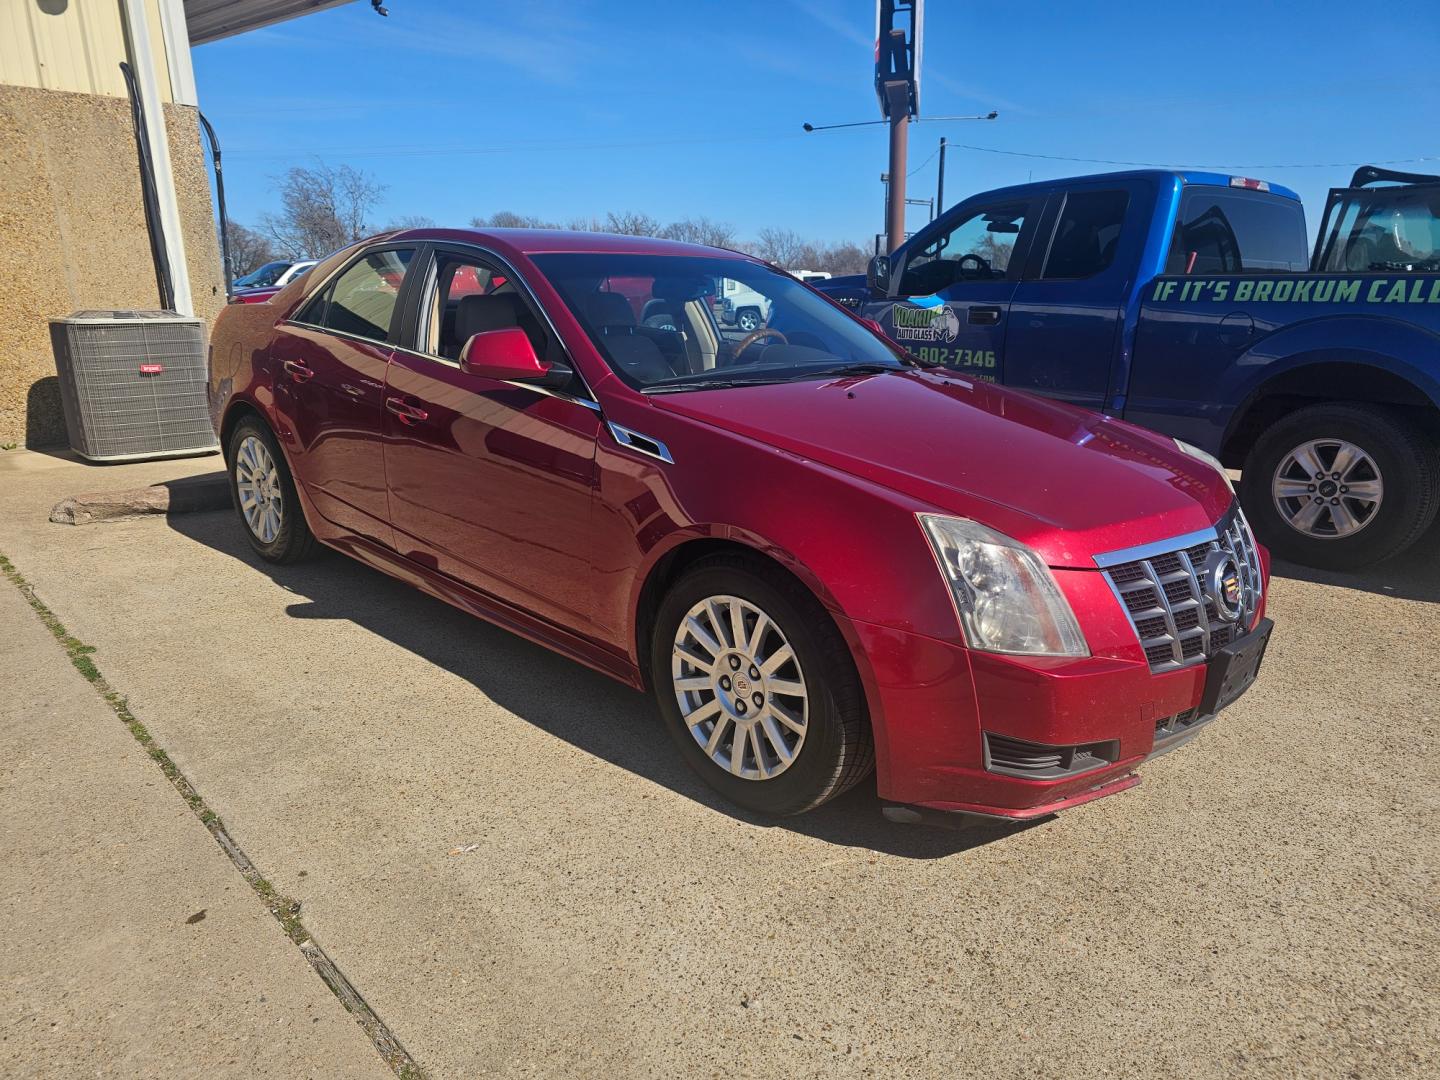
[[285, 910]]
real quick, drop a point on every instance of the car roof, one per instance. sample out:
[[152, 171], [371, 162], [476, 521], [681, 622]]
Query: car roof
[[1186, 176], [541, 241]]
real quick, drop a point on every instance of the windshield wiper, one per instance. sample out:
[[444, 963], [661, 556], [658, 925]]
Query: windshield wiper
[[846, 369], [704, 384]]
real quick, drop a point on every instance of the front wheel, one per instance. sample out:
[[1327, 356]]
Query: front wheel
[[1341, 486], [748, 319], [758, 688]]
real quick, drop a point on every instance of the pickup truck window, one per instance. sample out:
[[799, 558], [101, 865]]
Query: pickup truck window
[[975, 249], [1087, 234], [1225, 231], [1387, 229]]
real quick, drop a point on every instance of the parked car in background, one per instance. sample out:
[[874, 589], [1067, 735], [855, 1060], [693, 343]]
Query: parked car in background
[[819, 555], [741, 306], [259, 293], [1188, 303], [278, 274]]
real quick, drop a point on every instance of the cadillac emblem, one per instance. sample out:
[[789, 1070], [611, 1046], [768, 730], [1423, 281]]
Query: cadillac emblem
[[1221, 581]]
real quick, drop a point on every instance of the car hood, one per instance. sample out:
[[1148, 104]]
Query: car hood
[[1070, 483]]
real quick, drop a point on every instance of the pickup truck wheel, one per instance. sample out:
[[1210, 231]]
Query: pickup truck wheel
[[1341, 486], [748, 319], [758, 688]]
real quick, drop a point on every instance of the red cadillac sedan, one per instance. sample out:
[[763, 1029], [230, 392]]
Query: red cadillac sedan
[[822, 558]]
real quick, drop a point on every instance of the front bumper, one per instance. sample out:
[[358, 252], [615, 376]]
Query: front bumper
[[933, 704]]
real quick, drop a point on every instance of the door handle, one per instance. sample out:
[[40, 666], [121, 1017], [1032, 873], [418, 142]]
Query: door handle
[[298, 371], [408, 414], [983, 316]]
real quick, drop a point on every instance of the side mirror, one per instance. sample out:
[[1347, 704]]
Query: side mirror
[[507, 355], [877, 274]]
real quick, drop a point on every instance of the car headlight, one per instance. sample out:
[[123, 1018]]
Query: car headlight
[[1209, 459], [1005, 596]]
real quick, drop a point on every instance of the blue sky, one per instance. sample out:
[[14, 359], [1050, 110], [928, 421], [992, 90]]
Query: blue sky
[[570, 108]]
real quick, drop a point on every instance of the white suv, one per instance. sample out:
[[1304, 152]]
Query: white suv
[[741, 306]]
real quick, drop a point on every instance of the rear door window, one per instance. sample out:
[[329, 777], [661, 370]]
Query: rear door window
[[361, 302], [1087, 234], [1229, 231]]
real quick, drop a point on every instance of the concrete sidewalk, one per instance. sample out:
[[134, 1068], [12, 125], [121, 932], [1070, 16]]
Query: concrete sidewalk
[[133, 946]]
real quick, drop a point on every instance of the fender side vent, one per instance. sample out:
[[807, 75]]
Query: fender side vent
[[1036, 761]]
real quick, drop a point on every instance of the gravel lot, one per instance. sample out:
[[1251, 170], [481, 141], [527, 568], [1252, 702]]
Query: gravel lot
[[1264, 904]]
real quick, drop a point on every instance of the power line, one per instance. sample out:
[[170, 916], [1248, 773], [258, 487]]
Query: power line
[[564, 145], [922, 164], [1175, 165]]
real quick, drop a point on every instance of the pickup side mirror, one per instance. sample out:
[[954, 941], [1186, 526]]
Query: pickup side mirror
[[877, 275], [509, 356]]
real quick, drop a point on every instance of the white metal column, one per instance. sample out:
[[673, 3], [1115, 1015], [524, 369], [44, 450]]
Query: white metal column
[[144, 61]]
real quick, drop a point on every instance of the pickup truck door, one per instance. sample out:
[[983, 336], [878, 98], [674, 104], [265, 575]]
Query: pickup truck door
[[952, 283], [1066, 313]]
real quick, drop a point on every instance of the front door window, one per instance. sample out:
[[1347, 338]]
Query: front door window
[[976, 249]]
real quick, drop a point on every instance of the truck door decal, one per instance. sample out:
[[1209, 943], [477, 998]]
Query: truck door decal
[[1295, 289]]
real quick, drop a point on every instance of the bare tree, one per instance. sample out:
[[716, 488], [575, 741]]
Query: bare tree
[[411, 221], [322, 209], [632, 223], [843, 258], [248, 248], [783, 247], [700, 230]]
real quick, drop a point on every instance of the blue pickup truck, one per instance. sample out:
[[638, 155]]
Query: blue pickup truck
[[1189, 302]]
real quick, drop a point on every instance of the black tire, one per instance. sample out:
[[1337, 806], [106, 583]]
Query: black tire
[[293, 541], [838, 749], [1409, 465], [748, 319]]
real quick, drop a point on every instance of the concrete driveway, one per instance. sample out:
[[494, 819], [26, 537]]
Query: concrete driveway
[[505, 856]]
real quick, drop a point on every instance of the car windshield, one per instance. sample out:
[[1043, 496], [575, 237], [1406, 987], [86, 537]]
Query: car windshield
[[265, 275], [673, 323]]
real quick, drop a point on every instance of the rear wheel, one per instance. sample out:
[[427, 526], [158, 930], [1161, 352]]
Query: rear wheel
[[1341, 486], [758, 688], [748, 319], [263, 492]]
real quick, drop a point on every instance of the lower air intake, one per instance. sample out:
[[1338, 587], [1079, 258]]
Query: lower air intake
[[1036, 761]]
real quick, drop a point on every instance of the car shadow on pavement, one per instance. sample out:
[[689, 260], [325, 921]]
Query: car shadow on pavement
[[555, 694], [1412, 575]]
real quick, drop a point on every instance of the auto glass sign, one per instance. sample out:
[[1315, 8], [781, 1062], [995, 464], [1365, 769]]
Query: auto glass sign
[[924, 323], [1297, 290]]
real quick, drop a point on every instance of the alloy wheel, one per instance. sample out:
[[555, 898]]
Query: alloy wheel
[[1327, 489], [739, 686], [257, 483]]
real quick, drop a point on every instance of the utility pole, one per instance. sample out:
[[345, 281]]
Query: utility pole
[[898, 98], [940, 184]]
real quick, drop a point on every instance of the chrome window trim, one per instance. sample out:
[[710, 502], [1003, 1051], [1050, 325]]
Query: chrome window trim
[[626, 437], [329, 332]]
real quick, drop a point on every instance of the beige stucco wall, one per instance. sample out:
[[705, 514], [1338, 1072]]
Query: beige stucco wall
[[73, 234]]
